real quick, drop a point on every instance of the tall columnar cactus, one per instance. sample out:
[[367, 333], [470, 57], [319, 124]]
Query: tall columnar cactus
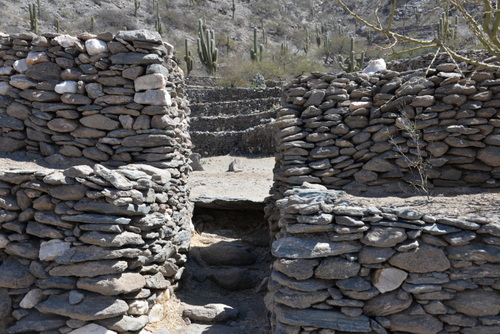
[[256, 52], [318, 36], [158, 25], [307, 42], [57, 25], [33, 17], [233, 8], [207, 51], [92, 24], [351, 64], [446, 31], [137, 4], [188, 58]]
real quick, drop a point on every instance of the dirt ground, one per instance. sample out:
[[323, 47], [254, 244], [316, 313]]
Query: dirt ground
[[255, 181]]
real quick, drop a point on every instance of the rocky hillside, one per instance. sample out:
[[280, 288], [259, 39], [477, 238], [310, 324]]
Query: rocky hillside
[[288, 29]]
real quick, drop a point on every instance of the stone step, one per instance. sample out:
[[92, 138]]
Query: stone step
[[253, 140], [246, 106], [231, 123], [219, 94]]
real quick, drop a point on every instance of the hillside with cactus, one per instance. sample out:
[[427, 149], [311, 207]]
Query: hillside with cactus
[[278, 38]]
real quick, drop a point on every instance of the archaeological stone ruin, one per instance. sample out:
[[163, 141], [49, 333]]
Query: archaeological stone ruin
[[97, 240], [100, 241], [345, 268]]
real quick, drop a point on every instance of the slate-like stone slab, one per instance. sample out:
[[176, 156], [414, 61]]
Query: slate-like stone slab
[[92, 307], [14, 275], [323, 319], [424, 259], [299, 248]]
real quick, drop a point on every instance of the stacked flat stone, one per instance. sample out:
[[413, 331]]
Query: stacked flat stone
[[228, 120], [96, 247], [107, 99], [354, 131], [89, 245], [342, 268]]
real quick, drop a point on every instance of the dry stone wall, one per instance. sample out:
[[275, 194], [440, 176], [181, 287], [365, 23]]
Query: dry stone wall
[[97, 246], [361, 132], [342, 268]]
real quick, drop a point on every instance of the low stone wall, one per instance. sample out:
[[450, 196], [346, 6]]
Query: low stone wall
[[87, 246], [98, 246], [341, 268], [110, 99], [382, 132]]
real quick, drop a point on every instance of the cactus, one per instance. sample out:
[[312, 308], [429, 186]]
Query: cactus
[[188, 58], [352, 64], [233, 8], [308, 42], [207, 52], [137, 4], [91, 24], [33, 17], [445, 31], [38, 7], [57, 25], [318, 36], [158, 25], [256, 52]]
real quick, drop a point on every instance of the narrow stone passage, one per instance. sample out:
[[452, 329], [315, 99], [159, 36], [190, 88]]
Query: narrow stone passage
[[225, 279]]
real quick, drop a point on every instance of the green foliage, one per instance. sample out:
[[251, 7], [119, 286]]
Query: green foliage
[[351, 64], [188, 58], [256, 53], [207, 52], [33, 17]]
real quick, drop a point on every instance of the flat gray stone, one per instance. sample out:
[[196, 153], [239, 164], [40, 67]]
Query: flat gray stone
[[307, 285], [422, 324], [111, 285], [299, 248], [300, 269], [476, 303], [92, 307], [112, 240], [422, 260], [298, 299], [387, 303], [336, 268], [135, 58], [93, 253], [142, 35], [37, 322], [116, 179], [14, 275], [322, 319], [125, 323], [90, 269], [384, 237], [209, 313], [475, 252]]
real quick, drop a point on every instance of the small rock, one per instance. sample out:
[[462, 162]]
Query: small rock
[[209, 312]]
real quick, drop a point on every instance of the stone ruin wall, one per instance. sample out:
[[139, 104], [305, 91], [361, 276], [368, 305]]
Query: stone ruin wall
[[344, 268], [98, 241]]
